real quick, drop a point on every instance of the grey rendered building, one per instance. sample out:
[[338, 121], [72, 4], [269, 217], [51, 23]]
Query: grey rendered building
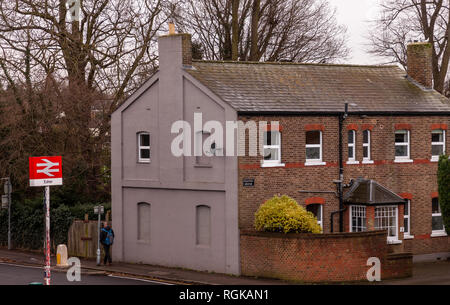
[[172, 211]]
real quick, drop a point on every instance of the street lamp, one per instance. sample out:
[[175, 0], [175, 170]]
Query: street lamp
[[99, 210], [6, 204]]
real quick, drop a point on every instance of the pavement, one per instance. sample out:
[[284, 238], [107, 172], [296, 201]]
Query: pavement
[[157, 273], [426, 273]]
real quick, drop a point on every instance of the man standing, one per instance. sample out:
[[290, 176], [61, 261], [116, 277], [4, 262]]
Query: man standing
[[107, 239]]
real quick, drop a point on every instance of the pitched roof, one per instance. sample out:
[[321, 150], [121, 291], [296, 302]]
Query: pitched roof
[[288, 87], [369, 192]]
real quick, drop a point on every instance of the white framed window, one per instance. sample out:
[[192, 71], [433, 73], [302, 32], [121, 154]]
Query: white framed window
[[386, 219], [437, 223], [367, 153], [143, 147], [352, 147], [358, 220], [437, 144], [402, 146], [317, 210], [272, 149], [314, 148], [407, 220]]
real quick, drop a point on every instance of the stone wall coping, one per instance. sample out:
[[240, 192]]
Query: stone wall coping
[[312, 236]]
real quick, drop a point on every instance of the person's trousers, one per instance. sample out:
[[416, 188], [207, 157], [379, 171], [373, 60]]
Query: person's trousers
[[107, 249]]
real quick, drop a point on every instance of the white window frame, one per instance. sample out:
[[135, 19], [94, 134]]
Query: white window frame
[[390, 239], [361, 212], [407, 158], [310, 162], [353, 146], [272, 163], [437, 233], [367, 160], [407, 231], [436, 158], [140, 147], [320, 222]]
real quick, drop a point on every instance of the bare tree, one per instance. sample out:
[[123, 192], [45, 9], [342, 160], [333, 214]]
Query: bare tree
[[404, 21], [267, 30], [65, 65]]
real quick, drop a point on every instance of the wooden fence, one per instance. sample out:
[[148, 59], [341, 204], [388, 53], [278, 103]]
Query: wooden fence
[[82, 239]]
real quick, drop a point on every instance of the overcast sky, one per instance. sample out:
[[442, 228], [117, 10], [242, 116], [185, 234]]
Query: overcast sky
[[355, 14]]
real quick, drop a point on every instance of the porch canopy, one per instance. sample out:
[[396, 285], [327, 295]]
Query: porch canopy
[[370, 192]]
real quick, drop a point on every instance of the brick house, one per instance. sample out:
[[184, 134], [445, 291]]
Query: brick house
[[356, 145]]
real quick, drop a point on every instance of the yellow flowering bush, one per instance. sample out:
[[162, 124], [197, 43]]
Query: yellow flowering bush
[[284, 215]]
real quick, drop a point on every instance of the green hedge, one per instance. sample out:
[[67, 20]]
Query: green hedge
[[444, 190], [28, 223]]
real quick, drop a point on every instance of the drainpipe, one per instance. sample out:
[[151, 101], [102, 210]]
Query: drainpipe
[[340, 182]]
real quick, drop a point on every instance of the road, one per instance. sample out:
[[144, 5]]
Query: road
[[23, 275]]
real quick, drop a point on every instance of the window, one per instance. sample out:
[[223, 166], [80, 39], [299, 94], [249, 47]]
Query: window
[[386, 219], [314, 147], [143, 222], [144, 147], [272, 148], [204, 158], [203, 225], [437, 144], [437, 223], [407, 220], [366, 147], [402, 145], [358, 219], [316, 209], [352, 146]]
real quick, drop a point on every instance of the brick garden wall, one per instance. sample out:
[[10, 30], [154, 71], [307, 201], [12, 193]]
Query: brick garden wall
[[418, 179], [319, 257]]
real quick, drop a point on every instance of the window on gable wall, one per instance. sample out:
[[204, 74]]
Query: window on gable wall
[[143, 147], [437, 144]]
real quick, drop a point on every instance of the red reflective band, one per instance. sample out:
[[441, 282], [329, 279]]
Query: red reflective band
[[403, 126], [315, 200], [313, 127]]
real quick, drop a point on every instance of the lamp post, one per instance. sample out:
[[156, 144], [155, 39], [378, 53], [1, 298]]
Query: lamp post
[[98, 210], [6, 203]]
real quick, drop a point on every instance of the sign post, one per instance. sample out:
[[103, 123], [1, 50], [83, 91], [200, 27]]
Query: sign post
[[46, 171]]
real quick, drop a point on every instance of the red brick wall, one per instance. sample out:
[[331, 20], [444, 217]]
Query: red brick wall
[[418, 178], [319, 257]]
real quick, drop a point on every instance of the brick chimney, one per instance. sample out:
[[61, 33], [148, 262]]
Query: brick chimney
[[420, 63], [175, 49]]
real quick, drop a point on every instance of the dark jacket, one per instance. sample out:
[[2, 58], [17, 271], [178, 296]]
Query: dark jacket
[[104, 234]]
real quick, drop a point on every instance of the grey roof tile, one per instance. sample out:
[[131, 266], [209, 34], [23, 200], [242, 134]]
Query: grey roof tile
[[286, 87]]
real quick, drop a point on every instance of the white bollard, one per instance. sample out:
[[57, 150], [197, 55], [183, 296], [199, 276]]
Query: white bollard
[[61, 256]]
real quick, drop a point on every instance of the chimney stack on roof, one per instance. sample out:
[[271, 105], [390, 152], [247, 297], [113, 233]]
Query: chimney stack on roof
[[175, 48], [419, 63]]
